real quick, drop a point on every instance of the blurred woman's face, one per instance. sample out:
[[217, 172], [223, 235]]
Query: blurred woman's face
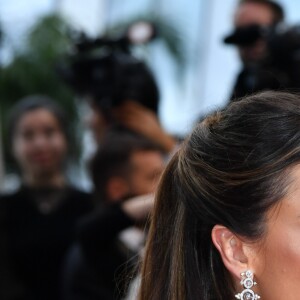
[[39, 144], [277, 261]]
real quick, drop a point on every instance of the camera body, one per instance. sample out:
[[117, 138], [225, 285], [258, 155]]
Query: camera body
[[106, 70], [283, 42]]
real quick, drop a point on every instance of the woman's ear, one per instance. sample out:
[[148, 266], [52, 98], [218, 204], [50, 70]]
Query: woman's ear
[[231, 249]]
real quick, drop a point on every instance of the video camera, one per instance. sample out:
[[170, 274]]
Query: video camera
[[105, 69], [283, 42]]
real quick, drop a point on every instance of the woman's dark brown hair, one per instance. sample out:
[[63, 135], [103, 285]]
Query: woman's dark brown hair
[[230, 171]]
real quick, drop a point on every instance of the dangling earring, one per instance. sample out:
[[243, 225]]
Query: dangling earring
[[248, 283]]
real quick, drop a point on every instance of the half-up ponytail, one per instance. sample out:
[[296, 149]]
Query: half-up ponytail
[[231, 170], [164, 251]]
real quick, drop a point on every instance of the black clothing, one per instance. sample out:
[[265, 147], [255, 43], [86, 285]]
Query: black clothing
[[252, 80], [267, 76], [99, 265], [37, 234]]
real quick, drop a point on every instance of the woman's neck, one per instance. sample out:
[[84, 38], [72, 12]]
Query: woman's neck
[[45, 180]]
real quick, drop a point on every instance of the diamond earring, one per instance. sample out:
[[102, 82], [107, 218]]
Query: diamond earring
[[248, 282]]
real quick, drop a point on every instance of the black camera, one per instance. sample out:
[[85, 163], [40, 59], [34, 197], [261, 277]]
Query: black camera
[[105, 69], [279, 69], [283, 42]]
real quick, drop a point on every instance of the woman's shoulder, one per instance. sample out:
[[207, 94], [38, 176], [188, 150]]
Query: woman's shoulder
[[12, 196], [8, 203], [77, 194], [80, 198]]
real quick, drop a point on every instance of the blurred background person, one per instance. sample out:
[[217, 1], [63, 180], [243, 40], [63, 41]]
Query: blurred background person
[[38, 220], [119, 88], [102, 263], [267, 48]]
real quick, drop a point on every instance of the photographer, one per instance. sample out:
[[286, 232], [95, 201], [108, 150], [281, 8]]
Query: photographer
[[268, 49], [119, 88]]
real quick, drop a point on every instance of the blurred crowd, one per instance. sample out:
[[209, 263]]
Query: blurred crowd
[[59, 242]]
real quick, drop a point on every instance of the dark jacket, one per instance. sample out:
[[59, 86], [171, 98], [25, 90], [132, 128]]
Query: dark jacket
[[100, 266], [267, 76], [35, 242]]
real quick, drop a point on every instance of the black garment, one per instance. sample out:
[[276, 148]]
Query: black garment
[[100, 266], [267, 76], [37, 239]]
